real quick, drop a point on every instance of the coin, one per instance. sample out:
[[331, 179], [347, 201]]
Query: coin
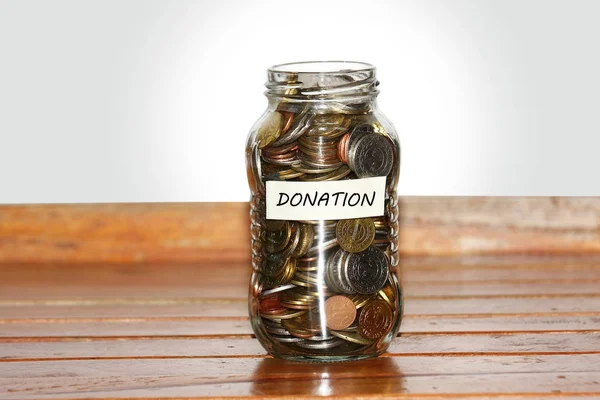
[[367, 271], [298, 127], [355, 235], [275, 225], [352, 337], [269, 130], [319, 345], [343, 148], [287, 121], [270, 305], [372, 155], [306, 240], [375, 319], [340, 312], [358, 132], [276, 241]]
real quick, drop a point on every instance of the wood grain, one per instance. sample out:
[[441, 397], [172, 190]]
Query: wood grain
[[483, 327], [191, 232], [258, 376], [408, 344]]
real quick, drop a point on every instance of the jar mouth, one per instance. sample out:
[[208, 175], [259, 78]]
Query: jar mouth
[[322, 67], [344, 82]]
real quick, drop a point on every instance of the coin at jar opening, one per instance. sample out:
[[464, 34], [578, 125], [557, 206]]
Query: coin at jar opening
[[367, 271], [372, 155], [339, 312], [298, 127], [269, 130], [355, 235], [375, 319], [276, 241], [287, 121]]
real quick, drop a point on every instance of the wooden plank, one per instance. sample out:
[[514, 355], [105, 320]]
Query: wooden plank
[[240, 376], [144, 327], [199, 307], [537, 276], [505, 344], [126, 233]]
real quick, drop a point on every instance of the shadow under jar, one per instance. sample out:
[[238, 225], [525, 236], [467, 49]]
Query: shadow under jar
[[323, 165]]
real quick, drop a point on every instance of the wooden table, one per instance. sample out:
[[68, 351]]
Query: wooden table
[[149, 301], [489, 327]]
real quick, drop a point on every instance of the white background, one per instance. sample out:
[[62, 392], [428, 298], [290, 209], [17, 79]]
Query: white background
[[138, 100]]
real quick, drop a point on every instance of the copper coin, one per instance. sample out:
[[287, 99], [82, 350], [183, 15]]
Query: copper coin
[[343, 148], [375, 319], [287, 121], [270, 305], [340, 312]]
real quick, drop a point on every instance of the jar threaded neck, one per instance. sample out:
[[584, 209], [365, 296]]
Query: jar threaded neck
[[322, 81]]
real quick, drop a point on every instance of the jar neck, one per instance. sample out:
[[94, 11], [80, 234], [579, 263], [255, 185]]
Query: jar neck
[[323, 85]]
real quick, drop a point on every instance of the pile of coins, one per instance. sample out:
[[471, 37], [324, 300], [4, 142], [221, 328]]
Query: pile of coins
[[324, 287]]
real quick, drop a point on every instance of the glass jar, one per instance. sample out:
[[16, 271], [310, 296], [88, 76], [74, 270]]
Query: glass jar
[[323, 165]]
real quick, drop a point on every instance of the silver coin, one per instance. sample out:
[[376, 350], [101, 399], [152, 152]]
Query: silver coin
[[277, 331], [322, 345], [320, 338], [358, 132], [300, 125], [287, 339], [342, 273], [372, 155], [367, 271], [332, 268], [277, 289]]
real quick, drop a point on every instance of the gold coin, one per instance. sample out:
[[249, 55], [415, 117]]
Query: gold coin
[[275, 241], [287, 314], [355, 235], [352, 337], [306, 240], [270, 129]]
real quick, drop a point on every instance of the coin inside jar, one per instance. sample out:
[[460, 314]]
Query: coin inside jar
[[340, 312], [355, 235], [276, 240], [270, 129], [367, 271], [375, 319], [372, 155]]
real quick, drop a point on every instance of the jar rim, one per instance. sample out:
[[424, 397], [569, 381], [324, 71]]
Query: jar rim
[[322, 67]]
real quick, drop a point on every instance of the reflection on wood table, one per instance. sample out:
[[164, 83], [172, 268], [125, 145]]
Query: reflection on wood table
[[488, 327]]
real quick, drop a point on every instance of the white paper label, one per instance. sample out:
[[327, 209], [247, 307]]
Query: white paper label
[[353, 198]]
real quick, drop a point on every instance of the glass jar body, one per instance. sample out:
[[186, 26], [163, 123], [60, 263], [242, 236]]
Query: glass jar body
[[324, 289]]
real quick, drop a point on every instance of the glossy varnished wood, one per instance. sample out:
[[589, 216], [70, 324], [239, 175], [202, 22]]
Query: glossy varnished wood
[[491, 327]]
